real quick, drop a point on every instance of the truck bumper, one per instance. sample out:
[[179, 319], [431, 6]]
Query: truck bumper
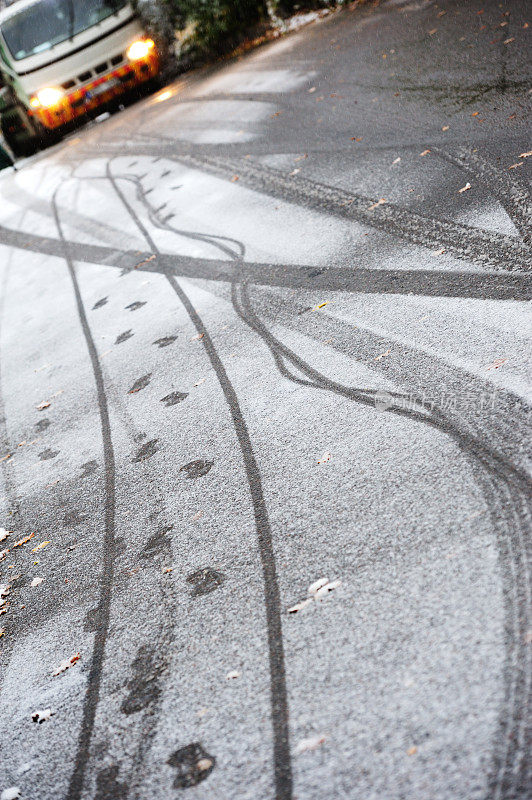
[[99, 92]]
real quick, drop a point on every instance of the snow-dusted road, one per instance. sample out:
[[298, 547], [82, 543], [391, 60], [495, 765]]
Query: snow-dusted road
[[268, 328]]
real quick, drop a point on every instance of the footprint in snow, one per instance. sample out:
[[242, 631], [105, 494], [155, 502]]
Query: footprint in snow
[[140, 383], [99, 303], [165, 341], [42, 424], [193, 764], [123, 337], [173, 398], [47, 454], [196, 469], [205, 580], [146, 451]]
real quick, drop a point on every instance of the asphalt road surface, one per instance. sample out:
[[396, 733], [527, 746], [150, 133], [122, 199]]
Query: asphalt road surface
[[262, 330]]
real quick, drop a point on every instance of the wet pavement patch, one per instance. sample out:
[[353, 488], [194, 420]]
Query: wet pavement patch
[[137, 304], [88, 468], [173, 398], [158, 543], [46, 455], [193, 764], [205, 580], [123, 337], [107, 785], [42, 424], [165, 341], [144, 686], [147, 451], [99, 303], [196, 469], [141, 383]]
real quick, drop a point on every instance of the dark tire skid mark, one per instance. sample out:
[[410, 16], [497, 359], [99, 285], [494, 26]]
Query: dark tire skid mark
[[92, 694]]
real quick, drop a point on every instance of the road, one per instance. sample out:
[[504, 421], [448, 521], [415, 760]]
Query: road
[[263, 332]]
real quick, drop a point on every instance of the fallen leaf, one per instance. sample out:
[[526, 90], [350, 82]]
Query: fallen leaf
[[382, 355], [312, 743], [497, 363], [145, 261], [198, 337], [233, 675], [511, 39], [300, 606], [23, 541], [4, 534], [43, 405], [378, 203], [36, 582], [39, 547], [445, 128], [321, 305], [411, 751], [329, 587], [518, 164], [425, 153], [432, 32], [66, 664], [13, 793], [316, 586], [464, 188], [356, 139], [168, 569], [397, 160], [235, 178], [42, 716]]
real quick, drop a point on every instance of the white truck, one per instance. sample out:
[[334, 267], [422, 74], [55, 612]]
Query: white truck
[[62, 59]]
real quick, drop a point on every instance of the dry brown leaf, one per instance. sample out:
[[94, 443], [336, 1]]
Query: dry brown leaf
[[43, 405], [66, 664], [411, 751], [445, 128], [464, 188], [425, 153], [40, 546], [23, 541], [378, 203], [145, 261]]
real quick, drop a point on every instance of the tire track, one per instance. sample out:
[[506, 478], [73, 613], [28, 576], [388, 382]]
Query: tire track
[[505, 487], [474, 245], [279, 702], [92, 695]]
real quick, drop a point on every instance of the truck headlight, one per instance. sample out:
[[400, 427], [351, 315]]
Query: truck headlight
[[140, 49], [46, 98]]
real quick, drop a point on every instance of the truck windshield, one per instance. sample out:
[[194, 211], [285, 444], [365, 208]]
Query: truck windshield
[[46, 23]]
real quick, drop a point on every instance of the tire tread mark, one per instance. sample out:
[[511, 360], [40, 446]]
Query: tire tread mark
[[92, 695], [278, 693]]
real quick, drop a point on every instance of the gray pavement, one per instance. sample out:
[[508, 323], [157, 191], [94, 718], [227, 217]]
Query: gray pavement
[[253, 335]]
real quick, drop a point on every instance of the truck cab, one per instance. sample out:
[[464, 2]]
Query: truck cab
[[62, 59]]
